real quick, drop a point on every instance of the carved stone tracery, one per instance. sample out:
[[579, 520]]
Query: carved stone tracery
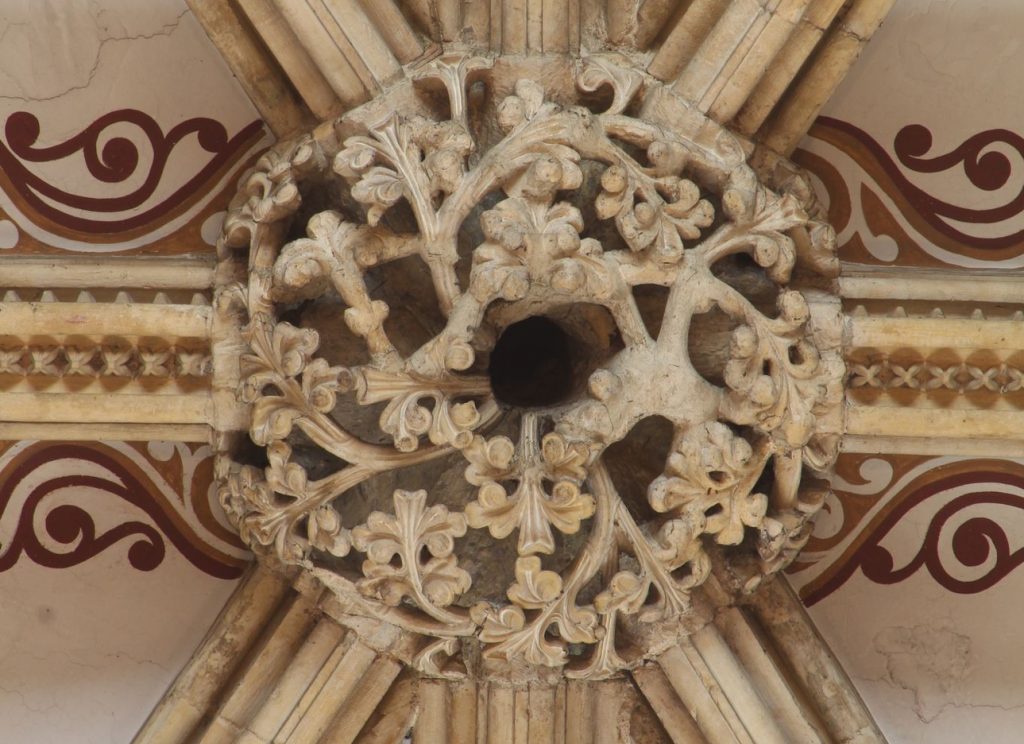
[[568, 205]]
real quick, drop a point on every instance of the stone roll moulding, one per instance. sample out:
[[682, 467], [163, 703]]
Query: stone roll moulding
[[531, 354], [107, 348]]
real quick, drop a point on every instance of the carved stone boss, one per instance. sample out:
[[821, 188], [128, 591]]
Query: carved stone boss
[[465, 299]]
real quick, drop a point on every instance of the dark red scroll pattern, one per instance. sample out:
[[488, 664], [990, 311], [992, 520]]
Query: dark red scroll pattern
[[974, 542], [984, 162], [72, 525], [115, 162]]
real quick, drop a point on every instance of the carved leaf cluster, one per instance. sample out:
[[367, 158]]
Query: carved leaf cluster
[[406, 419], [422, 539], [776, 376], [529, 244], [270, 190], [709, 474], [252, 505], [672, 562], [533, 507], [655, 214], [280, 354], [679, 202]]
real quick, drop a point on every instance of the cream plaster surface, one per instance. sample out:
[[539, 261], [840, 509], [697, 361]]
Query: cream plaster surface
[[946, 64], [86, 652], [82, 59], [933, 667]]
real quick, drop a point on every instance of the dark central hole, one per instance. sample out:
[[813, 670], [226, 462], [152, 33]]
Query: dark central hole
[[532, 365]]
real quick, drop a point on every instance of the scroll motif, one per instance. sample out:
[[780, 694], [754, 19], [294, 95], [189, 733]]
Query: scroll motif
[[942, 507], [146, 184], [883, 215], [39, 523]]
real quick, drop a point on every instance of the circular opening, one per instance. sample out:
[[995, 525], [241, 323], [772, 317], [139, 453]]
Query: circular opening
[[532, 365]]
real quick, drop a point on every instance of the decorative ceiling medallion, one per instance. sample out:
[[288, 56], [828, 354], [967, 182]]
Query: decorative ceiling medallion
[[526, 363]]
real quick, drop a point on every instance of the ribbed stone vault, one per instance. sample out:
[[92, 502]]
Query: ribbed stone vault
[[446, 546]]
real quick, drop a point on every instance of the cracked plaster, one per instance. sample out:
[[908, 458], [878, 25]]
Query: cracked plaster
[[933, 667], [931, 662], [86, 29], [71, 61]]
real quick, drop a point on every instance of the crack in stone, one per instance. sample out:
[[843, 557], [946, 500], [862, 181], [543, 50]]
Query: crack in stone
[[949, 704], [108, 661]]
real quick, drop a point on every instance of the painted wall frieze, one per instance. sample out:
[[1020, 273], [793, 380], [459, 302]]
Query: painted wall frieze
[[141, 195], [885, 214], [63, 504], [891, 518]]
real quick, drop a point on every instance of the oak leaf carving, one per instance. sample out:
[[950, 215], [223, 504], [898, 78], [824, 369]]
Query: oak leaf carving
[[422, 539]]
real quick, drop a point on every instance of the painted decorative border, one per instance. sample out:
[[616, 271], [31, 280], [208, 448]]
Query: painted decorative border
[[942, 505], [133, 200], [47, 488], [883, 217]]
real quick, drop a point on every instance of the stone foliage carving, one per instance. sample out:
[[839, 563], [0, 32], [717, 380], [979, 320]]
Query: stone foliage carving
[[520, 203]]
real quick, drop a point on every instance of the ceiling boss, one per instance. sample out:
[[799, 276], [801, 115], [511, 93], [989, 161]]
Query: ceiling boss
[[532, 355]]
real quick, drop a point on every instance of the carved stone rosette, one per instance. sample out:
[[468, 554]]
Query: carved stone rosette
[[526, 365]]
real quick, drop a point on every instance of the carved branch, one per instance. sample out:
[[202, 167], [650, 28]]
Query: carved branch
[[661, 189]]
